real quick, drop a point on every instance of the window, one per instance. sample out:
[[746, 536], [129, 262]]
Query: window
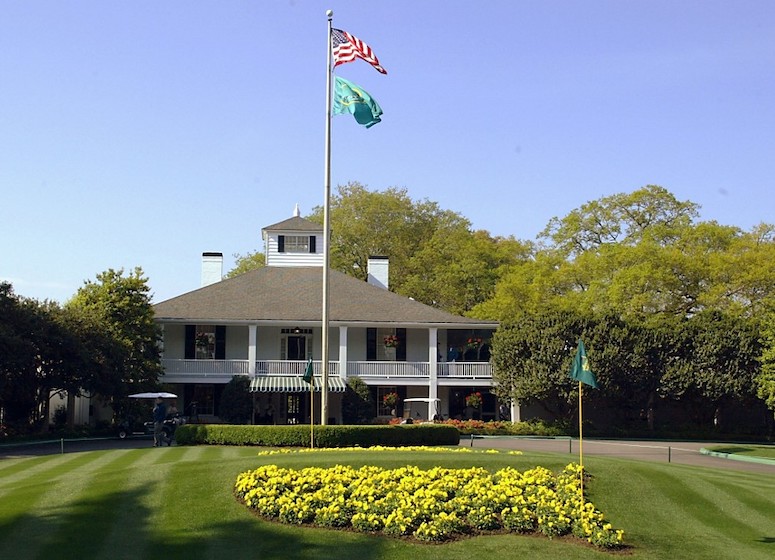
[[296, 344], [386, 344], [203, 399], [296, 244], [204, 343], [385, 409]]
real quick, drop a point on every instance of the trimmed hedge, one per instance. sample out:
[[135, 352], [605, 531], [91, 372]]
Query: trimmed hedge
[[325, 436]]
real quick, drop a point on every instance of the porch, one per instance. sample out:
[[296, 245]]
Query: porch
[[213, 371]]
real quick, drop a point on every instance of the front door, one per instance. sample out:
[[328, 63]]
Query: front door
[[297, 348]]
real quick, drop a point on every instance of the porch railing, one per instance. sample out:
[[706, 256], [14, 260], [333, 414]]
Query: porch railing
[[388, 370], [465, 370], [365, 369], [293, 367], [206, 367]]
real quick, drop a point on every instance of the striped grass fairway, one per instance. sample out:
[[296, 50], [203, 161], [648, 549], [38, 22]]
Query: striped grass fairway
[[177, 503]]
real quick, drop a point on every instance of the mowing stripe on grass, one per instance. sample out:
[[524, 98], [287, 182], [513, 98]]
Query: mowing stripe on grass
[[699, 527], [757, 509], [131, 534], [42, 467], [10, 466], [33, 510]]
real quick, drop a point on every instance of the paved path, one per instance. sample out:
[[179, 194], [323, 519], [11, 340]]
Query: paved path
[[53, 447], [678, 452]]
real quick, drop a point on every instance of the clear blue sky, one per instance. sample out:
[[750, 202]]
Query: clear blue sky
[[142, 133]]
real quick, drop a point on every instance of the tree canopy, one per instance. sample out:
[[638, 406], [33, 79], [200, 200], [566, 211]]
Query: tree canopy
[[435, 256], [122, 305]]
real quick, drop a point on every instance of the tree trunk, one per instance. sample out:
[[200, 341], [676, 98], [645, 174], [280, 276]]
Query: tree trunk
[[650, 412], [70, 410]]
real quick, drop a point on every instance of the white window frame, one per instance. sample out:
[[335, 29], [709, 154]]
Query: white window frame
[[296, 244]]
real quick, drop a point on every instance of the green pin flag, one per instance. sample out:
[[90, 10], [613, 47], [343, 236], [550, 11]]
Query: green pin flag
[[580, 371], [308, 372]]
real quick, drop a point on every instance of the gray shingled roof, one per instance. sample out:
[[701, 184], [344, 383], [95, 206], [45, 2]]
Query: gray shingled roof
[[294, 294], [296, 223]]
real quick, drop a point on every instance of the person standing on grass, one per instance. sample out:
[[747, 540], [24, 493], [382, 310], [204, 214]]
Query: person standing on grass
[[159, 416]]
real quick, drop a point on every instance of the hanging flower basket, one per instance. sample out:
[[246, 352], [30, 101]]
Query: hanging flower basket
[[390, 341], [390, 399], [202, 340], [474, 400], [474, 343]]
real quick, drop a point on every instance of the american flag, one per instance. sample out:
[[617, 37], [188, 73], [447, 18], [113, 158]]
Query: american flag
[[348, 47]]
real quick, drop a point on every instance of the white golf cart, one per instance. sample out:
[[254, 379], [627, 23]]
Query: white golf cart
[[421, 409]]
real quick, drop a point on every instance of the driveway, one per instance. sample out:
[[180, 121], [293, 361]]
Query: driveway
[[679, 452]]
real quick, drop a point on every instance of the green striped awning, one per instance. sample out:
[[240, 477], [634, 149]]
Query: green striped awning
[[293, 384]]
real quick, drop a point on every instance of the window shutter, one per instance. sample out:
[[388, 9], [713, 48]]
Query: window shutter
[[220, 342], [371, 344], [312, 248], [401, 350], [189, 348], [280, 243]]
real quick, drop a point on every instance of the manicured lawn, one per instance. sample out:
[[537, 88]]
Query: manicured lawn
[[177, 502], [763, 451]]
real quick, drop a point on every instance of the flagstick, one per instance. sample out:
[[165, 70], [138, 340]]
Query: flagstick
[[581, 452], [326, 233]]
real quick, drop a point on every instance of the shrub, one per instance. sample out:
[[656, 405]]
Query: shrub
[[325, 436], [236, 402], [357, 405], [529, 428]]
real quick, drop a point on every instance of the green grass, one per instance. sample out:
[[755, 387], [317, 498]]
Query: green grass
[[763, 451], [177, 503]]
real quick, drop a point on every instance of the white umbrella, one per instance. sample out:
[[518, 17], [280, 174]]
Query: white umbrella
[[153, 396]]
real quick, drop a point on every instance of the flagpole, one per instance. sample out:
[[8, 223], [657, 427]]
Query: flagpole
[[326, 231], [581, 452], [312, 412]]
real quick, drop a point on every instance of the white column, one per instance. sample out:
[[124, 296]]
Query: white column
[[433, 360], [252, 350], [343, 353], [515, 412]]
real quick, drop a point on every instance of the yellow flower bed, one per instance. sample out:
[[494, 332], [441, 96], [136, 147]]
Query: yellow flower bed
[[431, 505], [412, 448]]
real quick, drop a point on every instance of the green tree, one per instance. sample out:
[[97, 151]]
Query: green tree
[[21, 359], [620, 219], [121, 305], [765, 381], [365, 223], [716, 363], [640, 255], [236, 405], [245, 263], [531, 358], [357, 405], [457, 269]]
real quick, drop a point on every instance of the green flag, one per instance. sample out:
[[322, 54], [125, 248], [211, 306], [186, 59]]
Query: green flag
[[350, 98], [580, 370], [308, 372]]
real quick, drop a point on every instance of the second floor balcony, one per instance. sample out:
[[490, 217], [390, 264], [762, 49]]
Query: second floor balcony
[[369, 371]]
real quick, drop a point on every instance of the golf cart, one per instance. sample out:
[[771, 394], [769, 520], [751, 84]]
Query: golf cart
[[131, 427], [419, 409]]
